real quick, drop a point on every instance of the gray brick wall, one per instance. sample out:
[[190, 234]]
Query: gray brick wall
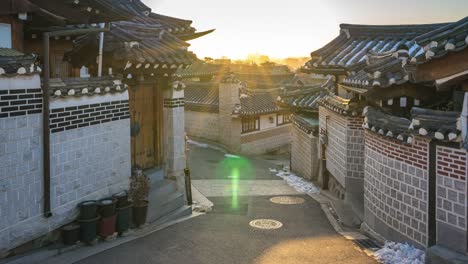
[[345, 148], [87, 163], [336, 156], [202, 125], [268, 140], [20, 175], [304, 154], [395, 192]]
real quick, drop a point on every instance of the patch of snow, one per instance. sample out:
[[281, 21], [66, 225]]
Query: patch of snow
[[231, 156], [399, 253], [298, 183]]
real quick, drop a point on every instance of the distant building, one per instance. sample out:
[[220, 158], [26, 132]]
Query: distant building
[[236, 106]]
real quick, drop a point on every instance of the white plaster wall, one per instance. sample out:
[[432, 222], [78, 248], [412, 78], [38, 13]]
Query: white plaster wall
[[265, 122], [87, 163]]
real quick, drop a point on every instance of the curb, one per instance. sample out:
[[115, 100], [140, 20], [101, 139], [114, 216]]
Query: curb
[[77, 253], [355, 237]]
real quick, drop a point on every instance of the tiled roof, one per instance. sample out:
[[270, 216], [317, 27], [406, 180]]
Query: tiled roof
[[452, 37], [83, 11], [304, 97], [255, 103], [202, 96], [440, 125], [306, 123], [387, 125], [145, 43], [85, 86], [350, 48], [341, 105], [202, 69], [13, 62], [381, 70]]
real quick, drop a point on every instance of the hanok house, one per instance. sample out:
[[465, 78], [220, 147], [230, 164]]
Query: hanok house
[[302, 97], [90, 136], [241, 115], [409, 158]]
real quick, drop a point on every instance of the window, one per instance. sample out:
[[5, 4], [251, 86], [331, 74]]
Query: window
[[283, 118], [5, 35], [250, 124]]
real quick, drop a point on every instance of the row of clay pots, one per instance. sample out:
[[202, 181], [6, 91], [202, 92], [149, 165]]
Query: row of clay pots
[[103, 218]]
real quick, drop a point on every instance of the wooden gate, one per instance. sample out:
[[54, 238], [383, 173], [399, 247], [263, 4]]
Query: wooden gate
[[146, 115]]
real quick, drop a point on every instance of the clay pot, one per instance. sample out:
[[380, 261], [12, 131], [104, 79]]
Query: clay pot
[[71, 234], [88, 210], [107, 226], [122, 199], [106, 207], [123, 218], [88, 230], [139, 214]]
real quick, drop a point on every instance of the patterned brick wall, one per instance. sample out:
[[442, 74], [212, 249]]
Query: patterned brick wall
[[452, 186], [396, 187], [73, 117], [345, 145], [304, 154], [19, 102], [202, 125], [263, 141]]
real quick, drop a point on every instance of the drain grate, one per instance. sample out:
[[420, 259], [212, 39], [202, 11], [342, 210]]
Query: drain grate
[[287, 200], [240, 209], [367, 244], [266, 224]]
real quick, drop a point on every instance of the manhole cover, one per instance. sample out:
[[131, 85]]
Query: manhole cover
[[265, 224], [287, 200]]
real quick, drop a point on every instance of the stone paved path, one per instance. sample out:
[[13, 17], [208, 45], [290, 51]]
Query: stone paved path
[[224, 235]]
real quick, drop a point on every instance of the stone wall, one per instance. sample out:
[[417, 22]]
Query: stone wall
[[345, 153], [396, 188], [264, 141], [90, 157], [203, 125], [452, 198], [304, 153]]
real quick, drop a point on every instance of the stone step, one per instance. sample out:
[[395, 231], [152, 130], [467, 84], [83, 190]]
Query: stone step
[[156, 175], [161, 189], [174, 215], [161, 205]]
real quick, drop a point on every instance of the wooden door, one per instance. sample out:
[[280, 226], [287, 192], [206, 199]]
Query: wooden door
[[146, 124]]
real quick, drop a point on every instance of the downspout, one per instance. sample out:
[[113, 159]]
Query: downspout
[[45, 124], [101, 47], [45, 106]]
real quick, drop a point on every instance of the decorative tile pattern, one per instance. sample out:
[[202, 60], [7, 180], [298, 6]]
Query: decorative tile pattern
[[73, 117], [174, 102], [19, 102]]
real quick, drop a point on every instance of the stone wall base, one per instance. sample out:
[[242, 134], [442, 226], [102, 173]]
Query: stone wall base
[[335, 188], [441, 255], [381, 228]]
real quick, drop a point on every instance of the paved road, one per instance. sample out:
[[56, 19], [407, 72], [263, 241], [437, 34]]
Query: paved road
[[224, 235]]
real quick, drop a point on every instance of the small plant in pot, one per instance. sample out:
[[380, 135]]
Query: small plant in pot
[[139, 189]]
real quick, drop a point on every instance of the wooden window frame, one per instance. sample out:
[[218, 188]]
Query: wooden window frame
[[286, 116], [250, 124]]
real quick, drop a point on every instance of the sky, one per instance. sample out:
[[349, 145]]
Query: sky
[[294, 28]]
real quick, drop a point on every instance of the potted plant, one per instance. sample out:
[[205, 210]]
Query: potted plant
[[139, 189]]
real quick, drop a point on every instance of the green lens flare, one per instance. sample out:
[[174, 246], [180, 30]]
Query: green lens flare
[[235, 168]]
